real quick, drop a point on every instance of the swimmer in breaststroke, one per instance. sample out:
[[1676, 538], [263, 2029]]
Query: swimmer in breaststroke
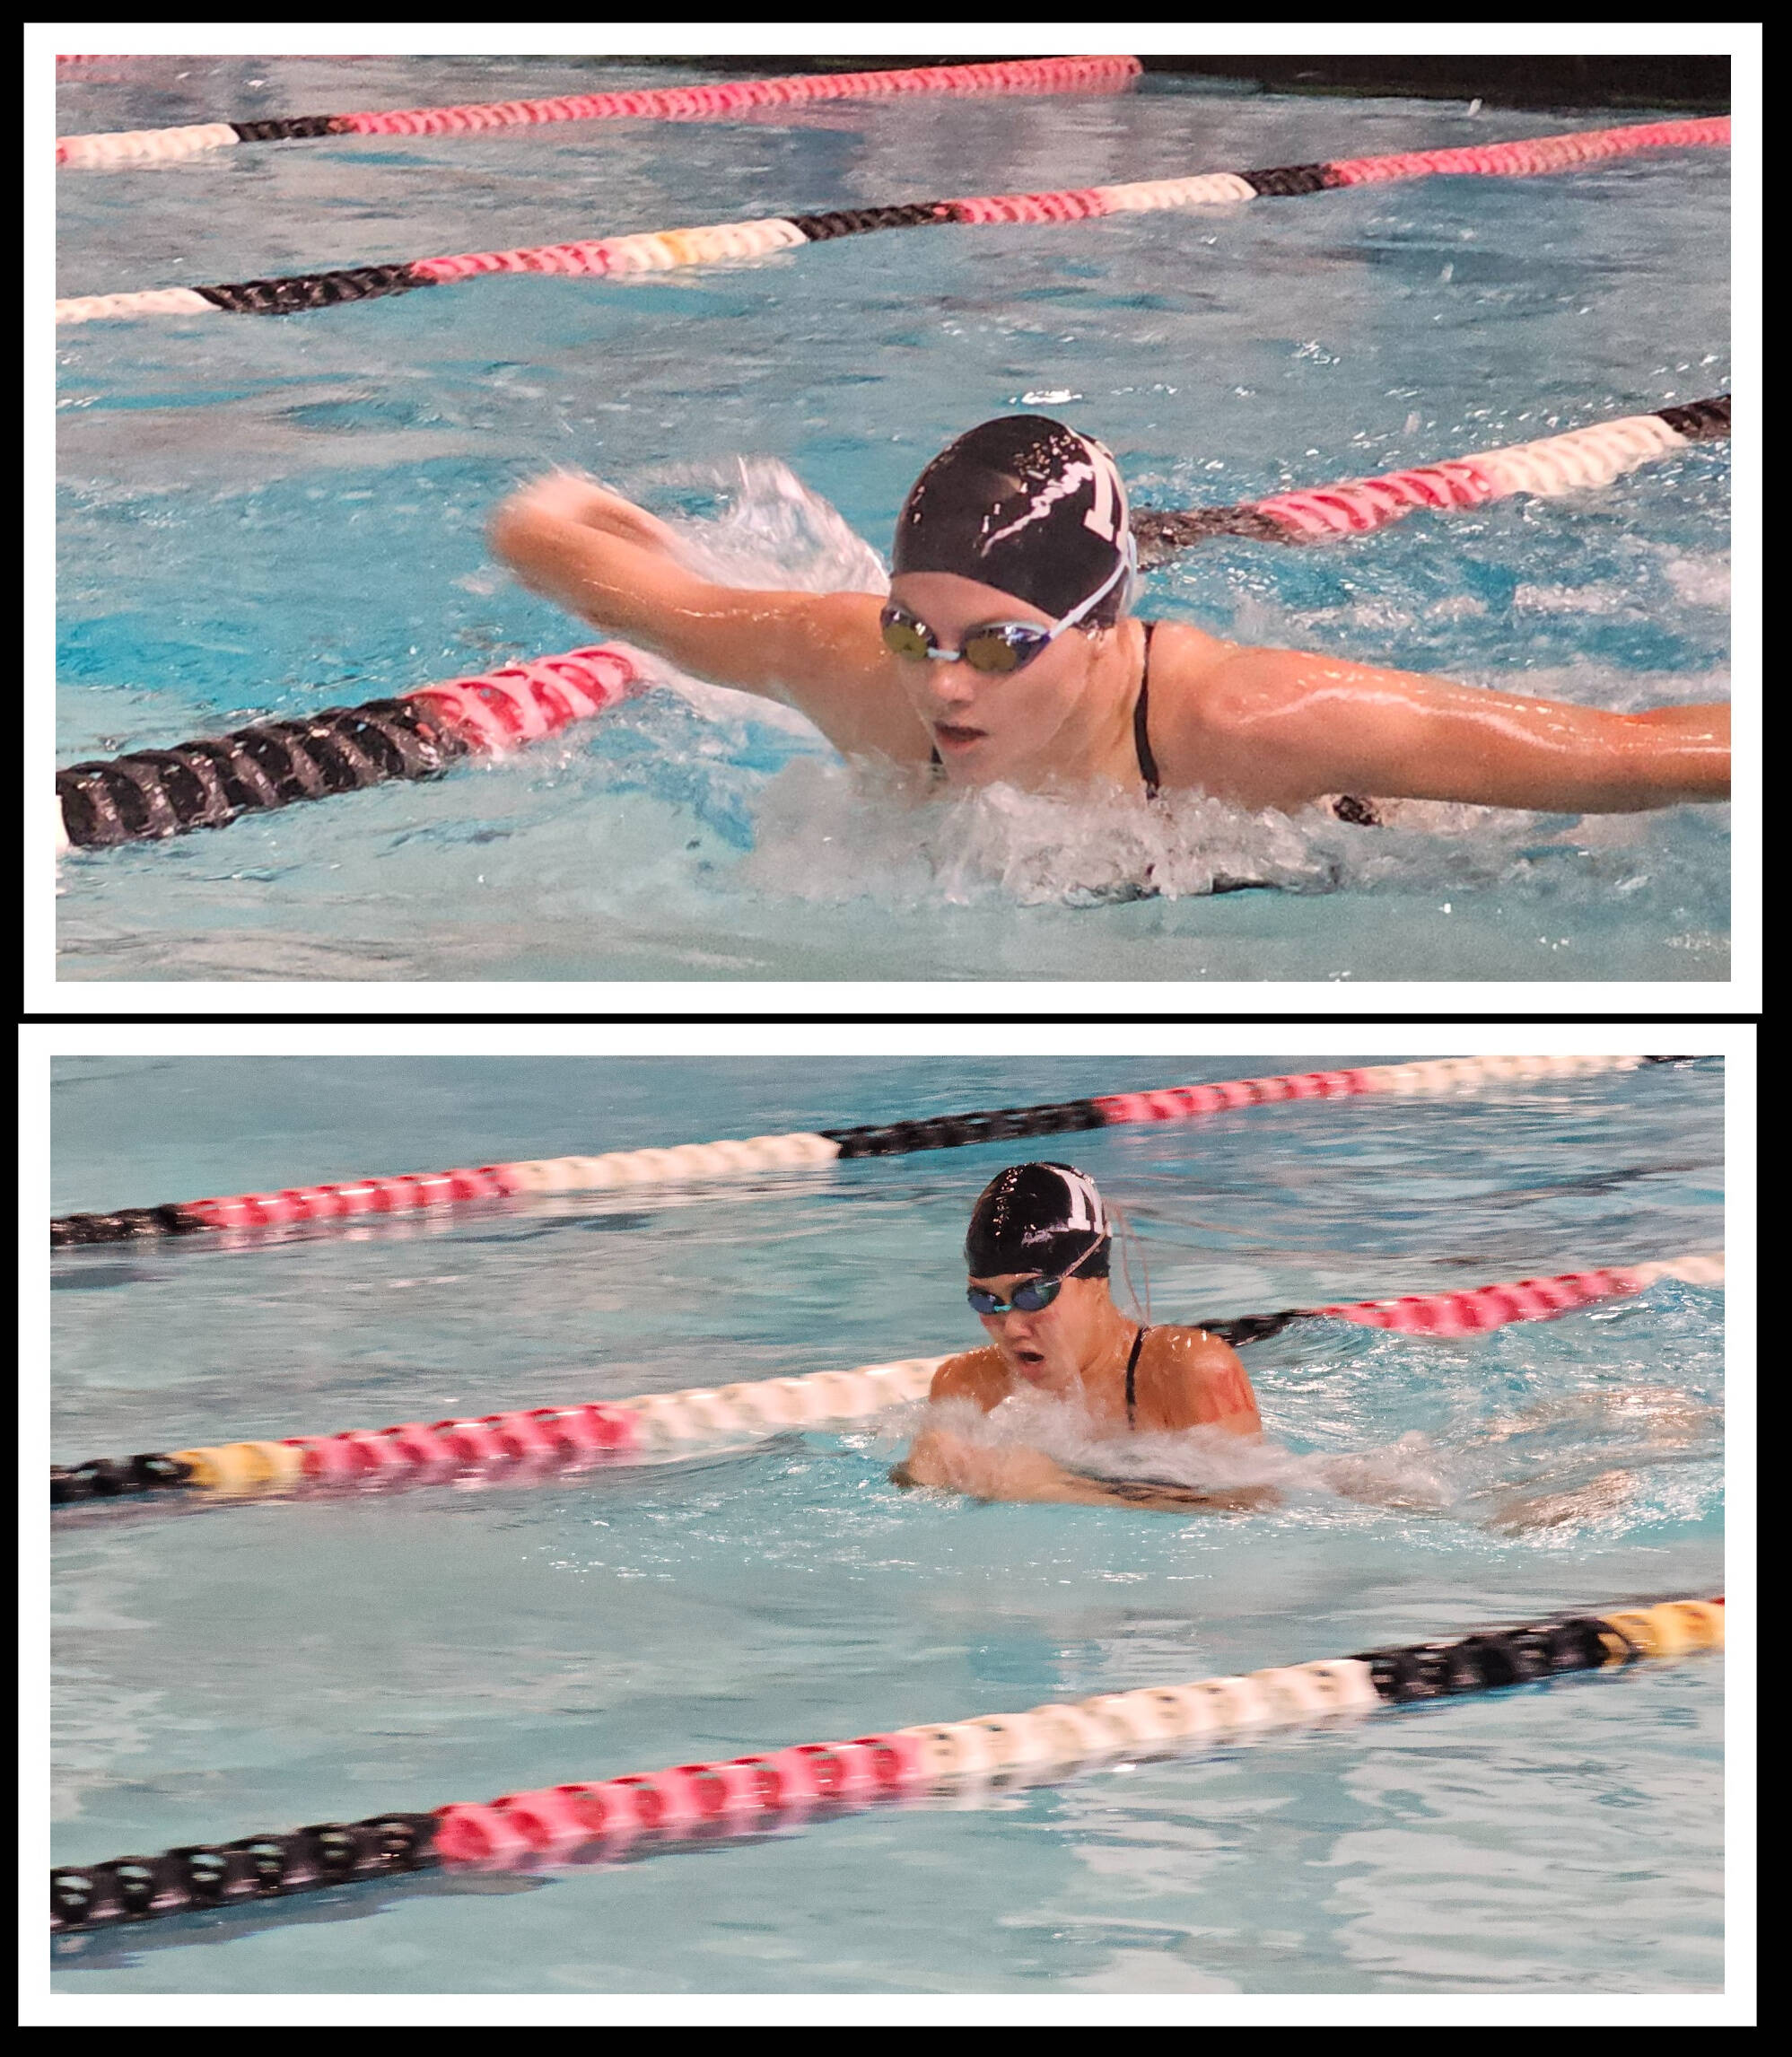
[[1006, 652], [1038, 1254]]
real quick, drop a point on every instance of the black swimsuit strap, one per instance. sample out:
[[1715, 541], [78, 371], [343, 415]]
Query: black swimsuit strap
[[1141, 741], [1132, 1374]]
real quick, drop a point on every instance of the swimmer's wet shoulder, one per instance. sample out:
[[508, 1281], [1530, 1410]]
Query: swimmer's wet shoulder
[[1007, 652], [1181, 1378]]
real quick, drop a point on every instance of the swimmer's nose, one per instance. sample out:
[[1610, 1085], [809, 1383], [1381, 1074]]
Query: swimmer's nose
[[948, 698]]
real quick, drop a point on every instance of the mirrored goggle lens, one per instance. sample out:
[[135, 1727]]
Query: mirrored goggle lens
[[1029, 1298], [1002, 649], [906, 638]]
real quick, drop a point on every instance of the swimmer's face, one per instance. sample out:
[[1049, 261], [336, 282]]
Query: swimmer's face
[[990, 725], [1045, 1352]]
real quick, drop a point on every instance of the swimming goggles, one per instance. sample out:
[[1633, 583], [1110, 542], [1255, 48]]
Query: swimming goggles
[[1032, 1294], [997, 645]]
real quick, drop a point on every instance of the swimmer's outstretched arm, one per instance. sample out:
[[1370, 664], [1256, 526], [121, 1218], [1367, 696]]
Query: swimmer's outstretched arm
[[1279, 727], [986, 1472], [617, 566]]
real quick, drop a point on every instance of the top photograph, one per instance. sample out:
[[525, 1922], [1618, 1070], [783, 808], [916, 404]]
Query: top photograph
[[1057, 519]]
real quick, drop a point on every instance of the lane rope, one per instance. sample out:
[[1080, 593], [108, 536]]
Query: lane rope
[[535, 1443], [734, 241], [660, 103], [646, 1810], [145, 795], [1571, 462], [148, 794], [703, 1162]]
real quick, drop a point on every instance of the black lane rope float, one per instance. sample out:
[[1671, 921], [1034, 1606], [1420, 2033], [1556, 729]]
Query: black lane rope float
[[696, 1802], [353, 1200], [655, 103], [533, 1444], [733, 241], [145, 795]]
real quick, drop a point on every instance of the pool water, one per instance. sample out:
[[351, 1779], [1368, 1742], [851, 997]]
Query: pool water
[[220, 1671], [261, 515]]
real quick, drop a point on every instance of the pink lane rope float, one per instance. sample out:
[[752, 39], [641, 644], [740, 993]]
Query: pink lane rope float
[[736, 241], [660, 103], [553, 1440], [1523, 1299], [353, 1200], [1575, 461]]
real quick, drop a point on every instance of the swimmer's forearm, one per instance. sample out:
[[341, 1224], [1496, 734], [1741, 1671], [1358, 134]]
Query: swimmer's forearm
[[1694, 753], [806, 650], [1166, 1496], [1029, 1475], [629, 588]]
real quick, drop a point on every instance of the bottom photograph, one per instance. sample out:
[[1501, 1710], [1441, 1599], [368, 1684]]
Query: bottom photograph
[[886, 1524]]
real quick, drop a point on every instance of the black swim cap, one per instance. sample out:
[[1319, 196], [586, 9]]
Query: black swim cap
[[1025, 505], [1037, 1217]]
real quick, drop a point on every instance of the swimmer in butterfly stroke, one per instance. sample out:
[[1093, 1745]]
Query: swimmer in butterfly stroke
[[1038, 1254], [1016, 534]]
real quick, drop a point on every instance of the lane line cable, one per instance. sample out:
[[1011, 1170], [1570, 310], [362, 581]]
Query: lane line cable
[[655, 103], [535, 1444], [702, 1163], [688, 1804], [735, 241]]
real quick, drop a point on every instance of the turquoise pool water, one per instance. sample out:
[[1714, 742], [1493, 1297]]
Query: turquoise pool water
[[219, 1670], [260, 515]]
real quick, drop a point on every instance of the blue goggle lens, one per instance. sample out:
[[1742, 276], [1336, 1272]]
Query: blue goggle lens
[[1029, 1298]]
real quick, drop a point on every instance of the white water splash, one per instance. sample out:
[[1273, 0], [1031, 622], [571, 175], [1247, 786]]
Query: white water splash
[[1412, 1472], [769, 530]]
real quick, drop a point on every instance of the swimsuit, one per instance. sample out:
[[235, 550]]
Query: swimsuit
[[1131, 1375]]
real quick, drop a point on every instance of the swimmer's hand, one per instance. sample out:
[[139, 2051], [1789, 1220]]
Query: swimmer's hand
[[983, 1470], [569, 497], [986, 1472]]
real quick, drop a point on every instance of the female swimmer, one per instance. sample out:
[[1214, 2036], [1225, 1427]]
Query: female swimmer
[[1006, 652], [1037, 1253]]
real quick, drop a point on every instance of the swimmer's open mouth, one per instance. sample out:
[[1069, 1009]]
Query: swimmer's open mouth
[[1031, 1360], [952, 737]]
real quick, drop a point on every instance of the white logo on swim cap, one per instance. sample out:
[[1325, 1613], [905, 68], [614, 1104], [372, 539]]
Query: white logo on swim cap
[[1085, 1210], [1108, 517]]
